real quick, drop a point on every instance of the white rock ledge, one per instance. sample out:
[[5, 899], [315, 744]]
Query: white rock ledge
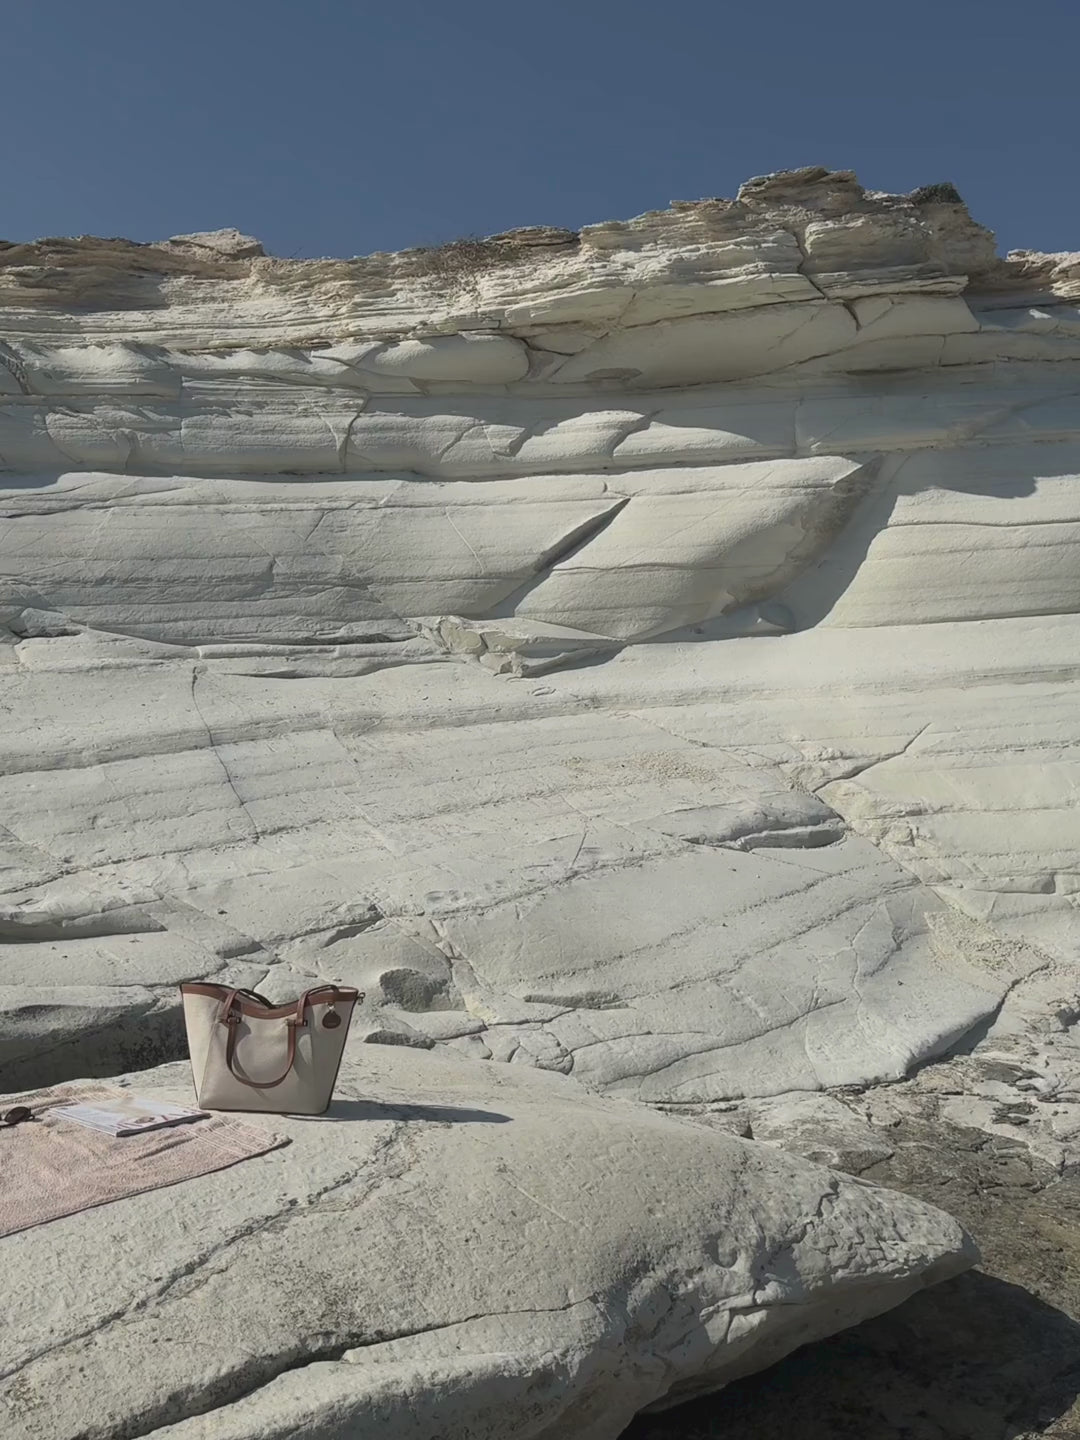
[[456, 1249]]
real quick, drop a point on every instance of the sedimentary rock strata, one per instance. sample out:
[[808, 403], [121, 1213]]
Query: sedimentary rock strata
[[648, 654]]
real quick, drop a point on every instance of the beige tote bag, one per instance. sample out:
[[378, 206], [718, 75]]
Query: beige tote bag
[[247, 1054]]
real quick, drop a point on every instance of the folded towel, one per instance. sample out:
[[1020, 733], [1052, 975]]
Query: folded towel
[[50, 1167]]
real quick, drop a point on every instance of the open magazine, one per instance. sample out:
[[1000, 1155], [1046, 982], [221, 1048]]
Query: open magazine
[[128, 1115]]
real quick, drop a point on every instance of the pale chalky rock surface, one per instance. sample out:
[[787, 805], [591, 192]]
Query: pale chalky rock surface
[[463, 1250], [648, 654]]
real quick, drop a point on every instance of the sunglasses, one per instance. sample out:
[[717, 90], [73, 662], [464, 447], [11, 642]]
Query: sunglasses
[[16, 1115]]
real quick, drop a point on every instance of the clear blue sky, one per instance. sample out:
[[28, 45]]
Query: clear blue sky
[[339, 127]]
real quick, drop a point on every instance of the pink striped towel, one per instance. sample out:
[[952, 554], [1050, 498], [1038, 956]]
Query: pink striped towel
[[50, 1167]]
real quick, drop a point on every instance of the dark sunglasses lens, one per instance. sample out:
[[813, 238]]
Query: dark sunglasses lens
[[16, 1116]]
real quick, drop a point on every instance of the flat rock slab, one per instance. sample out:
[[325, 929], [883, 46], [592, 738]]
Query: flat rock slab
[[454, 1249]]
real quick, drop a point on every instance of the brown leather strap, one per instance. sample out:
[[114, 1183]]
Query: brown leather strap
[[254, 995], [252, 1003], [294, 1023], [227, 1007], [230, 1016], [330, 998], [230, 1058]]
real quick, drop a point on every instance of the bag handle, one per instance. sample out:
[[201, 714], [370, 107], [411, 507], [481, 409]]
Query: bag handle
[[254, 995], [297, 1021], [230, 1017]]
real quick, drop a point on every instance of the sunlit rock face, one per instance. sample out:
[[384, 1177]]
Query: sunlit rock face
[[648, 653]]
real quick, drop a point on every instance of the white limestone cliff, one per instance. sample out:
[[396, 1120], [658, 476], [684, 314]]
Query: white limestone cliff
[[825, 420], [648, 654]]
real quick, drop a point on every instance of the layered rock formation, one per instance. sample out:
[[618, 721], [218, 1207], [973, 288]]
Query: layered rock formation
[[647, 654], [409, 484]]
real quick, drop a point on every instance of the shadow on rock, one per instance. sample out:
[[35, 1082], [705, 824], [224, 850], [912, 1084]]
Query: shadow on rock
[[991, 1355], [973, 1359], [433, 1114]]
